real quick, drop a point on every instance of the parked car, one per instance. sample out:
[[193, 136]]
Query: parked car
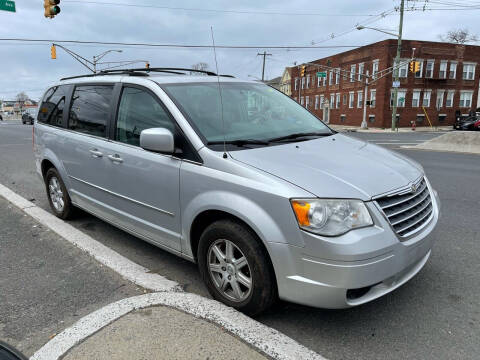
[[476, 125], [262, 195], [468, 123], [28, 117]]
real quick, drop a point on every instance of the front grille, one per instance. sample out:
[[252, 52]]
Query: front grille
[[408, 211]]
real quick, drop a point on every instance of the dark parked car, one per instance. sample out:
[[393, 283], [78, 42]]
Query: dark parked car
[[27, 118], [467, 124]]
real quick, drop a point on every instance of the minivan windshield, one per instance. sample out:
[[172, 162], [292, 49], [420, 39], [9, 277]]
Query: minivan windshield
[[252, 113]]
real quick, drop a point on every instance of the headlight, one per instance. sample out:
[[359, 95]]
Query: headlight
[[331, 217]]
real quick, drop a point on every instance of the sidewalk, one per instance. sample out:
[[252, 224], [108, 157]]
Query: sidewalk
[[344, 128], [162, 333]]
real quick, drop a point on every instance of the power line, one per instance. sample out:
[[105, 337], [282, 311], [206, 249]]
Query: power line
[[248, 12]]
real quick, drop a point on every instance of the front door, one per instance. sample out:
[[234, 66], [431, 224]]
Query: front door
[[143, 185]]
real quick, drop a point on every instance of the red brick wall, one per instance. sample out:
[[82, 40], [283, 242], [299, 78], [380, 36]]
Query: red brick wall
[[385, 52]]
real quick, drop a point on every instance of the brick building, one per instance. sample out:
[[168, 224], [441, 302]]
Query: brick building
[[447, 82]]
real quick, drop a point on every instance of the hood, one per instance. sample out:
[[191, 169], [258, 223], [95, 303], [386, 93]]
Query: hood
[[334, 166]]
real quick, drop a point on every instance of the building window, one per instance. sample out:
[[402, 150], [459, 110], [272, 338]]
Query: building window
[[307, 101], [361, 69], [296, 83], [343, 118], [371, 119], [416, 98], [439, 102], [359, 99], [420, 118], [466, 99], [427, 94], [303, 83], [345, 75], [337, 76], [351, 99], [400, 98], [453, 70], [450, 95], [375, 69], [325, 81], [442, 74], [316, 102], [442, 117], [352, 73], [373, 98], [429, 69], [419, 73], [344, 99], [332, 101], [330, 77], [468, 71], [403, 68], [301, 101], [322, 101], [308, 81], [337, 101], [319, 80]]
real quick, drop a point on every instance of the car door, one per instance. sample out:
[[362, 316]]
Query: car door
[[144, 185], [84, 149]]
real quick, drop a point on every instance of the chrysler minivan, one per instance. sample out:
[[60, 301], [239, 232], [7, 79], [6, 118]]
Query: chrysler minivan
[[239, 178]]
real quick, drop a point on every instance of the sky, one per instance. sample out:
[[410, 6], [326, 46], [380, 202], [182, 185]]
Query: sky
[[27, 66]]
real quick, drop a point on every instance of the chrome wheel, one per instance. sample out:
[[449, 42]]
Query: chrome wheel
[[229, 270], [56, 194]]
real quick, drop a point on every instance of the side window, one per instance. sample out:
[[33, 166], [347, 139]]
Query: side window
[[90, 109], [53, 104], [138, 111]]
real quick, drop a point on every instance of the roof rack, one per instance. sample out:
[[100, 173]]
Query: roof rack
[[145, 72]]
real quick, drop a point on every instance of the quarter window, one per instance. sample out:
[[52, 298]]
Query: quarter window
[[91, 109], [51, 110]]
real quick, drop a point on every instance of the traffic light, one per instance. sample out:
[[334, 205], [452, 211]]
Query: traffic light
[[302, 70], [417, 66], [51, 8], [414, 66], [147, 65], [53, 51]]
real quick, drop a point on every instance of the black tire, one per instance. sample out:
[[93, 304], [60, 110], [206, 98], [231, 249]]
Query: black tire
[[68, 210], [263, 291]]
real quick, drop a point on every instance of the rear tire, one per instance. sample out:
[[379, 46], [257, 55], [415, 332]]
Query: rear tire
[[235, 267], [57, 194]]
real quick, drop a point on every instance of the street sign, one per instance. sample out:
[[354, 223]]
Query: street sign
[[396, 84], [322, 74], [7, 5]]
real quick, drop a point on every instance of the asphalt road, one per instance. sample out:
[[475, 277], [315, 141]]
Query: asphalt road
[[434, 316]]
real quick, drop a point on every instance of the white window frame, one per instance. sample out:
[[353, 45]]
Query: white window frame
[[444, 69], [403, 68], [416, 98], [337, 100], [399, 96], [468, 72], [316, 102], [450, 98], [307, 101], [351, 99], [330, 77], [302, 100], [303, 83], [427, 74], [308, 81], [427, 98], [337, 76], [352, 72], [465, 95], [359, 99], [419, 74], [452, 70], [361, 70], [322, 101], [296, 83], [375, 68], [325, 81], [332, 101], [373, 97], [441, 97], [319, 80]]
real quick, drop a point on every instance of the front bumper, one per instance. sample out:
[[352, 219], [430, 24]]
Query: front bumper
[[354, 268]]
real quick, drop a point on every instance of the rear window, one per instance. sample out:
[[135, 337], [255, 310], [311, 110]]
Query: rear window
[[53, 105], [90, 110]]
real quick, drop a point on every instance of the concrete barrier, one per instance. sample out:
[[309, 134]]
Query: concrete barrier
[[457, 141]]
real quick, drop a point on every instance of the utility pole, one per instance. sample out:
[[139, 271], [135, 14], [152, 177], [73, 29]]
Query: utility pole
[[396, 69], [264, 54], [364, 121]]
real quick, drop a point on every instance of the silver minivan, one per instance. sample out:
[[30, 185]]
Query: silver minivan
[[239, 178]]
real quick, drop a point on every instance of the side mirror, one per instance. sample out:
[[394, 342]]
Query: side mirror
[[157, 139]]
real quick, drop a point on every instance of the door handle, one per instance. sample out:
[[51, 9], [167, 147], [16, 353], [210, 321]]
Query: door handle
[[95, 153], [115, 158]]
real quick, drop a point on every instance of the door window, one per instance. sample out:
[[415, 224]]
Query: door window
[[138, 111], [90, 110]]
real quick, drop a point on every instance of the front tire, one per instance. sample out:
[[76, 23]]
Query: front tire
[[235, 267], [57, 194]]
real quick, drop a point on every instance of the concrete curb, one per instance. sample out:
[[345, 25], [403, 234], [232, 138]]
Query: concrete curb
[[458, 141]]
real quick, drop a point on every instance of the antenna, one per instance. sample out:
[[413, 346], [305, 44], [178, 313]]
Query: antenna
[[220, 93]]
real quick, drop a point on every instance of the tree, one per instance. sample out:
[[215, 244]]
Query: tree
[[200, 66], [21, 98], [459, 36]]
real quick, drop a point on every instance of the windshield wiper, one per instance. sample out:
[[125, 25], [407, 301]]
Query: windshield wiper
[[298, 136], [239, 142]]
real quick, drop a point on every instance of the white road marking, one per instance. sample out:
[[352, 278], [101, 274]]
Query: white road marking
[[262, 337], [404, 143]]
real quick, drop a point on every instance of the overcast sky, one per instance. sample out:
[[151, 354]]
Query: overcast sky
[[28, 67]]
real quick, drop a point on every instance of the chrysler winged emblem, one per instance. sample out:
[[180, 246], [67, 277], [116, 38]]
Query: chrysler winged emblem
[[413, 188]]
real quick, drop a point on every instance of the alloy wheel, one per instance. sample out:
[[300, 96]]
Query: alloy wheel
[[56, 194]]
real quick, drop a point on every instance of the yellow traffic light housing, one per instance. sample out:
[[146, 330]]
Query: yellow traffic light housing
[[147, 65], [302, 70], [53, 51], [414, 66], [51, 8], [417, 66]]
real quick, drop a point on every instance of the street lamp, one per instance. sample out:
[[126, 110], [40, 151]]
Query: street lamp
[[98, 57]]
